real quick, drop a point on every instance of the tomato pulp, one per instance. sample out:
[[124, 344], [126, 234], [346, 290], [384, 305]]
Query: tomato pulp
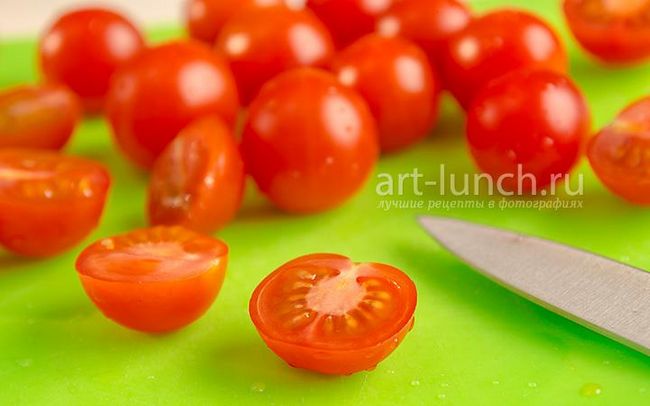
[[309, 142], [198, 180], [48, 202], [324, 313], [154, 280], [619, 153]]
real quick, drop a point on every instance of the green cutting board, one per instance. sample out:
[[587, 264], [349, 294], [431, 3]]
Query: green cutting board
[[473, 342]]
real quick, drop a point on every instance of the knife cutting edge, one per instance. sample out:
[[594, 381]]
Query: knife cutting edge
[[604, 295]]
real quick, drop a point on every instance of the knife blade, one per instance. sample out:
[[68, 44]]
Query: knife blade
[[602, 294]]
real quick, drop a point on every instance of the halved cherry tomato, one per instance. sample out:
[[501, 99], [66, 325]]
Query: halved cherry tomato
[[616, 31], [156, 279], [163, 90], [265, 41], [198, 180], [349, 20], [48, 202], [620, 153], [495, 44], [42, 117], [536, 119], [428, 23], [205, 18], [325, 313], [83, 48], [309, 142], [395, 78]]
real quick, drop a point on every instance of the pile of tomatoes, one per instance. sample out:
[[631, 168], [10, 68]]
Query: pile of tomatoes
[[325, 87]]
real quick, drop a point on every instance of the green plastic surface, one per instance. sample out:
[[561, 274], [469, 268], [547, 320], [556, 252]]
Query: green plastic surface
[[473, 342]]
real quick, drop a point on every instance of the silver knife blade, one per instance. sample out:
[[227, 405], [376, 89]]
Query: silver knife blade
[[607, 296]]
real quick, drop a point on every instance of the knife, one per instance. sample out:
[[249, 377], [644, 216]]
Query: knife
[[606, 296]]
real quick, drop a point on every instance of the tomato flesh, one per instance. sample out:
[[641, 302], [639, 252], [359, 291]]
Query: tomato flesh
[[42, 117], [395, 79], [262, 42], [309, 142], [48, 202], [198, 180], [536, 119], [349, 20], [83, 48], [324, 313], [614, 31], [495, 44], [163, 90], [428, 23], [153, 280], [619, 154]]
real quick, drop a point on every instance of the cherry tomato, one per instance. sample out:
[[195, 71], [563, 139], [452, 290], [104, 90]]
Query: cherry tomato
[[263, 42], [155, 280], [349, 20], [325, 313], [615, 31], [83, 48], [396, 80], [42, 117], [48, 202], [309, 142], [163, 90], [205, 18], [428, 23], [619, 153], [536, 119], [198, 180], [495, 44]]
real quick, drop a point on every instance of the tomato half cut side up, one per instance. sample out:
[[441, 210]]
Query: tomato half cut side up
[[614, 31], [48, 201], [620, 154], [325, 313], [154, 280]]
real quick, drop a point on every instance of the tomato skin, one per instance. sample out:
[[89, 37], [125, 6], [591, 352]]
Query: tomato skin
[[263, 42], [537, 118], [618, 153], [164, 89], [203, 170], [611, 34], [150, 299], [83, 48], [395, 79], [281, 302], [349, 20], [35, 225], [495, 44], [309, 142], [41, 117], [428, 23]]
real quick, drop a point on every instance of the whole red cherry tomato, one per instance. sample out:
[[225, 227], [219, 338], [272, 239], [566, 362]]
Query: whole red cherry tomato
[[42, 117], [83, 48], [164, 89], [48, 202], [349, 20], [198, 180], [619, 153], [309, 142], [535, 119], [495, 44], [615, 31], [396, 80], [156, 279], [428, 23], [265, 41], [325, 313]]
